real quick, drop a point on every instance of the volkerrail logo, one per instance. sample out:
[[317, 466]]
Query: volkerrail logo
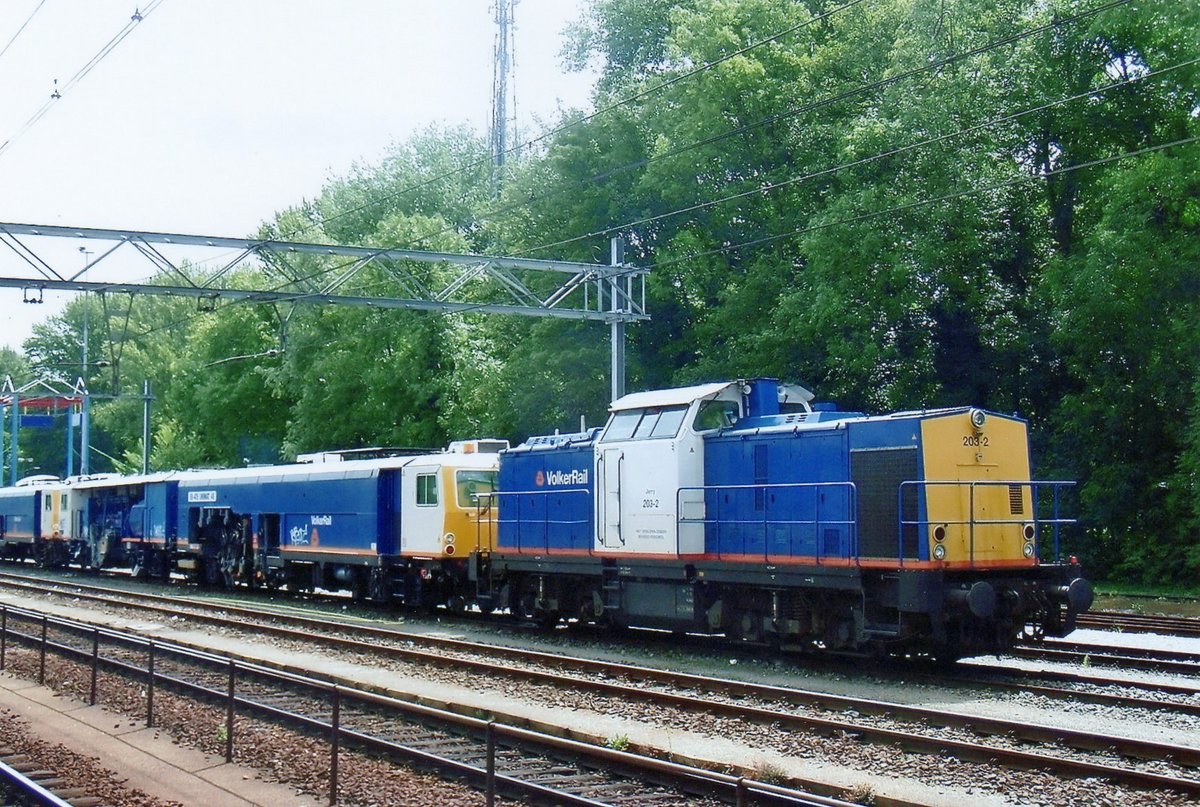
[[540, 479], [563, 478]]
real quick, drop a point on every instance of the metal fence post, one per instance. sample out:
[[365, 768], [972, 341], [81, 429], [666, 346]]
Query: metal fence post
[[95, 661], [334, 740], [3, 633], [229, 713], [42, 660], [743, 793], [491, 763], [150, 686]]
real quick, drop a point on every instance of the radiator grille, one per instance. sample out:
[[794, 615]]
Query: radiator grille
[[1016, 499], [877, 474]]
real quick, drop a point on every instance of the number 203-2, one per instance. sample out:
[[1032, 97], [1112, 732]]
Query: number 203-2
[[976, 440]]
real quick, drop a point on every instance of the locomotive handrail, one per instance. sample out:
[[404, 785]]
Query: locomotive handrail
[[545, 522], [1056, 522], [851, 522]]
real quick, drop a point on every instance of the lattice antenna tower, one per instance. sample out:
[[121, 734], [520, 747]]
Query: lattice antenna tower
[[504, 89]]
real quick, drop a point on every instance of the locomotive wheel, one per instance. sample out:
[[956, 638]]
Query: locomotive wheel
[[749, 627], [456, 604], [358, 588], [526, 607], [210, 573], [380, 586]]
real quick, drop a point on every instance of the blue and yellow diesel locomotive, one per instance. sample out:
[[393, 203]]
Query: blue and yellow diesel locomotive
[[741, 508]]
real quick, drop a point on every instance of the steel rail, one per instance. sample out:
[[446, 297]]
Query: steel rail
[[17, 788], [1079, 740], [1141, 623], [589, 665], [1108, 656], [692, 780]]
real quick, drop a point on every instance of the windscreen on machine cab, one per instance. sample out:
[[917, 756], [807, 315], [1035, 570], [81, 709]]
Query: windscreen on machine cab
[[473, 484], [652, 423]]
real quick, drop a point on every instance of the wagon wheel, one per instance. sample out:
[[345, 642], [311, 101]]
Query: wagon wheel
[[137, 564]]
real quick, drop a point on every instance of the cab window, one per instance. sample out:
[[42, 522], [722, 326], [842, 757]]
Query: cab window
[[623, 425], [653, 423], [669, 422], [427, 492], [716, 415], [473, 484]]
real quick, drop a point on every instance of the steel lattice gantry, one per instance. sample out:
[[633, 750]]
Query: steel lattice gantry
[[501, 285], [298, 272]]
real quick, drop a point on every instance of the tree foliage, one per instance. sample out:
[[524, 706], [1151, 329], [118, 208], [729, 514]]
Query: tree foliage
[[902, 203]]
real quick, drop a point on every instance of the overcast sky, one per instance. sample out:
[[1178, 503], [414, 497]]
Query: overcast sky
[[213, 114]]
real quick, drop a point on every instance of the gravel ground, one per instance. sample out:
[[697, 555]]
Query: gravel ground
[[844, 751], [282, 755], [78, 771]]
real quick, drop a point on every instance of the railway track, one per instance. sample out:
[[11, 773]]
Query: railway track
[[1168, 662], [1139, 623], [1063, 752], [25, 781], [508, 761]]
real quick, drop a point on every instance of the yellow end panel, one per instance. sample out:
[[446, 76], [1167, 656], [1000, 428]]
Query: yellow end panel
[[56, 529], [471, 525], [956, 451]]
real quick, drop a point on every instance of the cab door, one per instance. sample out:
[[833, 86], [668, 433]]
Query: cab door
[[422, 510], [611, 461]]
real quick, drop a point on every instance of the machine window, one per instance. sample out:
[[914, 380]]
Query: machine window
[[473, 484], [646, 427], [654, 423], [669, 422], [427, 492], [623, 425], [717, 415]]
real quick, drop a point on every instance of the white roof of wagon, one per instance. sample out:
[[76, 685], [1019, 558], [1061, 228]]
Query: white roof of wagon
[[669, 397]]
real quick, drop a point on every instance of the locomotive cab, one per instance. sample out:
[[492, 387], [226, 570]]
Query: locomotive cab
[[650, 461]]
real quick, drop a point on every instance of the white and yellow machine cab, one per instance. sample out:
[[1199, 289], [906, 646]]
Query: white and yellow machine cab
[[447, 510]]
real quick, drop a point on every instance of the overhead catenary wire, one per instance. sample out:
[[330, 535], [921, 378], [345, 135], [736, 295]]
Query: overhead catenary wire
[[825, 225], [61, 91], [25, 24], [583, 119], [808, 107], [894, 152]]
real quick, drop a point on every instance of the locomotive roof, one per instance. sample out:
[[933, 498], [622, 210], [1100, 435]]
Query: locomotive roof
[[667, 397], [116, 480], [798, 421], [549, 441], [791, 393], [347, 469]]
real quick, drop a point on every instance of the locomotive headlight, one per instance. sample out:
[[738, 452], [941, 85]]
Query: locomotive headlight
[[939, 533], [1027, 550], [1029, 532], [939, 552], [448, 538], [978, 418]]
